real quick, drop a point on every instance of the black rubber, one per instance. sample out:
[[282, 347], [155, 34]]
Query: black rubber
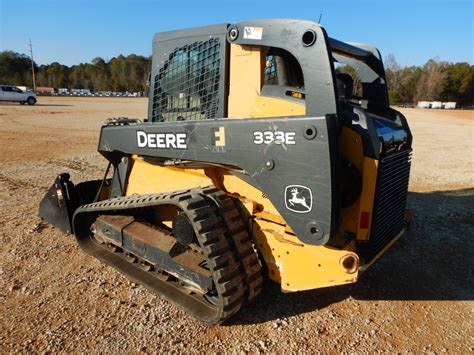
[[223, 260], [183, 230], [237, 232]]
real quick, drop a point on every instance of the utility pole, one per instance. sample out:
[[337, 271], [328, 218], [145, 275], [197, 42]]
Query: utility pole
[[32, 67]]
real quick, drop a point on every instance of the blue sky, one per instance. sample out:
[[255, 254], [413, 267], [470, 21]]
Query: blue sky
[[73, 31]]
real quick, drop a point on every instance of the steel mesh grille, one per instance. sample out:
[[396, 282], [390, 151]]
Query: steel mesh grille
[[187, 85], [390, 202]]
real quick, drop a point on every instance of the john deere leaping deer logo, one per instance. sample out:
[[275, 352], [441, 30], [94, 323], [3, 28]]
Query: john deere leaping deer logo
[[298, 198]]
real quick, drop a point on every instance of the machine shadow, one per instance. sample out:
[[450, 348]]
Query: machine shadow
[[432, 262]]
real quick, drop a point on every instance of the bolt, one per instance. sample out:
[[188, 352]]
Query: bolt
[[269, 164]]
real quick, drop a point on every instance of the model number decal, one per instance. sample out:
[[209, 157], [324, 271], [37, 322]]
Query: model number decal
[[275, 137]]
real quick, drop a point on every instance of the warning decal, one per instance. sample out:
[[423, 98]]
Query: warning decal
[[253, 33]]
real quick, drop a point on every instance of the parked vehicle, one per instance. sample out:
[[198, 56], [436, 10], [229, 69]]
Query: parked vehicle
[[15, 94], [63, 91]]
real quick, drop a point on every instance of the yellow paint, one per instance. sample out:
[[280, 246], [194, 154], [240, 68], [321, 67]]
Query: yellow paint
[[273, 107], [351, 147], [220, 137], [146, 178], [246, 79], [245, 76], [239, 188], [297, 266]]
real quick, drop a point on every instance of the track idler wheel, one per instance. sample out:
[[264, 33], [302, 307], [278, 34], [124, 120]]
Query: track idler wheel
[[183, 230]]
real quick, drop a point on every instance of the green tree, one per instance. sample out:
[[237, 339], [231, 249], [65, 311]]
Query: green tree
[[433, 81], [460, 83], [119, 74], [15, 69]]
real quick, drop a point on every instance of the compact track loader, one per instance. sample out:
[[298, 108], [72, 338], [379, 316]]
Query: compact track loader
[[269, 151]]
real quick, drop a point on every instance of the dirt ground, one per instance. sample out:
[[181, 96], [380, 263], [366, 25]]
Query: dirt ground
[[417, 298]]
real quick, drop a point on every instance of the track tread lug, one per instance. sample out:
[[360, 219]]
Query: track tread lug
[[241, 241]]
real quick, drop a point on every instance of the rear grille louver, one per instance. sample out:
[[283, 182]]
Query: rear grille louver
[[390, 203]]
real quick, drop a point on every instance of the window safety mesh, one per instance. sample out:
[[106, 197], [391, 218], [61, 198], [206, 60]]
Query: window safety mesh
[[187, 85]]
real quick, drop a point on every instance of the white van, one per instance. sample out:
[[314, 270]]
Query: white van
[[12, 93]]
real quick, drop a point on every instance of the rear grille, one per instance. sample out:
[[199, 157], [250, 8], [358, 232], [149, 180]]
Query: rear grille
[[390, 203]]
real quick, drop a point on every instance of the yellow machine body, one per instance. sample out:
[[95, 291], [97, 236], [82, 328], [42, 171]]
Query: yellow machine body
[[296, 266], [269, 149]]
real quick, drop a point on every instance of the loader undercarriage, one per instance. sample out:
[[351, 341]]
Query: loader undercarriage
[[211, 277]]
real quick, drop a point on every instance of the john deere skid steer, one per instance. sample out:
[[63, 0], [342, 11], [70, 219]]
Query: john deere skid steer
[[269, 151]]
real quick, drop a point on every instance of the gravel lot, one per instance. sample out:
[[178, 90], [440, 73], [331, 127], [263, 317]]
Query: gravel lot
[[418, 298]]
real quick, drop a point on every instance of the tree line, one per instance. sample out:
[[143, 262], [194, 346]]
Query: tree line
[[120, 73], [434, 81]]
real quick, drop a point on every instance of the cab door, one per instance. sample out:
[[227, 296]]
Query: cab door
[[17, 94], [3, 94]]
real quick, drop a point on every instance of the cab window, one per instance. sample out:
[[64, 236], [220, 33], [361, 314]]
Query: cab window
[[187, 85], [349, 83], [283, 69]]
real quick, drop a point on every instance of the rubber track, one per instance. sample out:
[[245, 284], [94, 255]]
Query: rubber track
[[237, 232], [210, 229]]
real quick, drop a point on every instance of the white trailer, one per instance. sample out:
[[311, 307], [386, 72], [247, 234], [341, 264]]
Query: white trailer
[[424, 104], [449, 105]]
